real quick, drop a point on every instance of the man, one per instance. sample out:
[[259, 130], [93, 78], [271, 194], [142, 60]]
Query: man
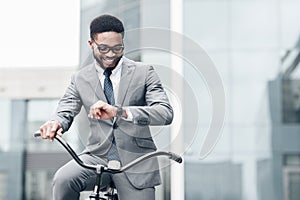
[[122, 99]]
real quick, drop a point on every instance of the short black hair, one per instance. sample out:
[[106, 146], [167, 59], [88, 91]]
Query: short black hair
[[106, 23]]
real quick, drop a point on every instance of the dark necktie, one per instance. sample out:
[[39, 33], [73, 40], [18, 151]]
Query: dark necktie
[[109, 94], [108, 88]]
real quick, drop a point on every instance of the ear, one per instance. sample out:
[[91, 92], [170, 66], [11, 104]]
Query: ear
[[90, 43]]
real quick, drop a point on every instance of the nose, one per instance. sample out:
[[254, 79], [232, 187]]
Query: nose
[[110, 53]]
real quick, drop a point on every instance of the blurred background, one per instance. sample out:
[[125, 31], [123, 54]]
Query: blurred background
[[255, 46]]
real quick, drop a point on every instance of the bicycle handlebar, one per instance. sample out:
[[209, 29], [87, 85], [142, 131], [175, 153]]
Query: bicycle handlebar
[[171, 155]]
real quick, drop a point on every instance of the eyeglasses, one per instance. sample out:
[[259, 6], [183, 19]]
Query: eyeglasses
[[103, 48]]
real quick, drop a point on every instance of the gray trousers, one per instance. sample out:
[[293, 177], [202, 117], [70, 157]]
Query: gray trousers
[[71, 179]]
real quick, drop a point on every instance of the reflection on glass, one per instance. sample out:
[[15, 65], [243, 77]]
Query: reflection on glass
[[3, 185], [294, 185], [38, 112], [5, 118], [38, 184]]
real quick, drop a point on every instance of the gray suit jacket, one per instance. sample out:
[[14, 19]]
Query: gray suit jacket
[[140, 89]]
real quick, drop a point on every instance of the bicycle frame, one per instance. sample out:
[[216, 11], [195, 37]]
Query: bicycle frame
[[100, 169]]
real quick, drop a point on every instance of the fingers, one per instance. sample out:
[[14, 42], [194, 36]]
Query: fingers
[[95, 113], [59, 132], [43, 130], [101, 110], [92, 113], [50, 129], [98, 110]]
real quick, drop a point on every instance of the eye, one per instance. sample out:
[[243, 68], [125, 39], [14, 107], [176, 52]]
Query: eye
[[118, 48], [103, 48]]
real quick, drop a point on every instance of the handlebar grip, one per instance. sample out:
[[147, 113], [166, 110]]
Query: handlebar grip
[[175, 157], [37, 134]]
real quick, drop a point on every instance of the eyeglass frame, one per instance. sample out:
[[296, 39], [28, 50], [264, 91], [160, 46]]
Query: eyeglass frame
[[109, 48]]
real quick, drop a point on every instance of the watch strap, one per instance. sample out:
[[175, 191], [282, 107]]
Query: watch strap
[[119, 110]]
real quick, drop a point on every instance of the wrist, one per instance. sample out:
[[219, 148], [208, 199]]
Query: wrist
[[118, 111], [114, 111]]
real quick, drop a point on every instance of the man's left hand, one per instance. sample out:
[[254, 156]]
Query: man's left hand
[[102, 110]]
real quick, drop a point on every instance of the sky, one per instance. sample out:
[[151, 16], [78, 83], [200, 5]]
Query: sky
[[39, 33]]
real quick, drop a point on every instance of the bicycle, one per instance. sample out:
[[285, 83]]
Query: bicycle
[[109, 192]]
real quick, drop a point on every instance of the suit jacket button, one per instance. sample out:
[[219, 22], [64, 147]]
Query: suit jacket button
[[143, 121]]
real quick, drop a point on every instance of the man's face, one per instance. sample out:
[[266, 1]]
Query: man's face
[[107, 48]]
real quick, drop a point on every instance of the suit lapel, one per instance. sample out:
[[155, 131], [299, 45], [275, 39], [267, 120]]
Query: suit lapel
[[93, 79], [126, 76]]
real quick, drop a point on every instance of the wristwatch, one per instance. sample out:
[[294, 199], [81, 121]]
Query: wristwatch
[[119, 110]]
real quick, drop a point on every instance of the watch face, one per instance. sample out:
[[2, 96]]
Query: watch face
[[119, 111]]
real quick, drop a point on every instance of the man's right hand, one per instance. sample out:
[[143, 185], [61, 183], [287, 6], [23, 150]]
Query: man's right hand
[[50, 129]]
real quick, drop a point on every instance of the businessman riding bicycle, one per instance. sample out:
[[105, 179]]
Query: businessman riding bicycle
[[122, 98]]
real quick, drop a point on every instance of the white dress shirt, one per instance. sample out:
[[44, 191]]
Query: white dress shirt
[[115, 78]]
